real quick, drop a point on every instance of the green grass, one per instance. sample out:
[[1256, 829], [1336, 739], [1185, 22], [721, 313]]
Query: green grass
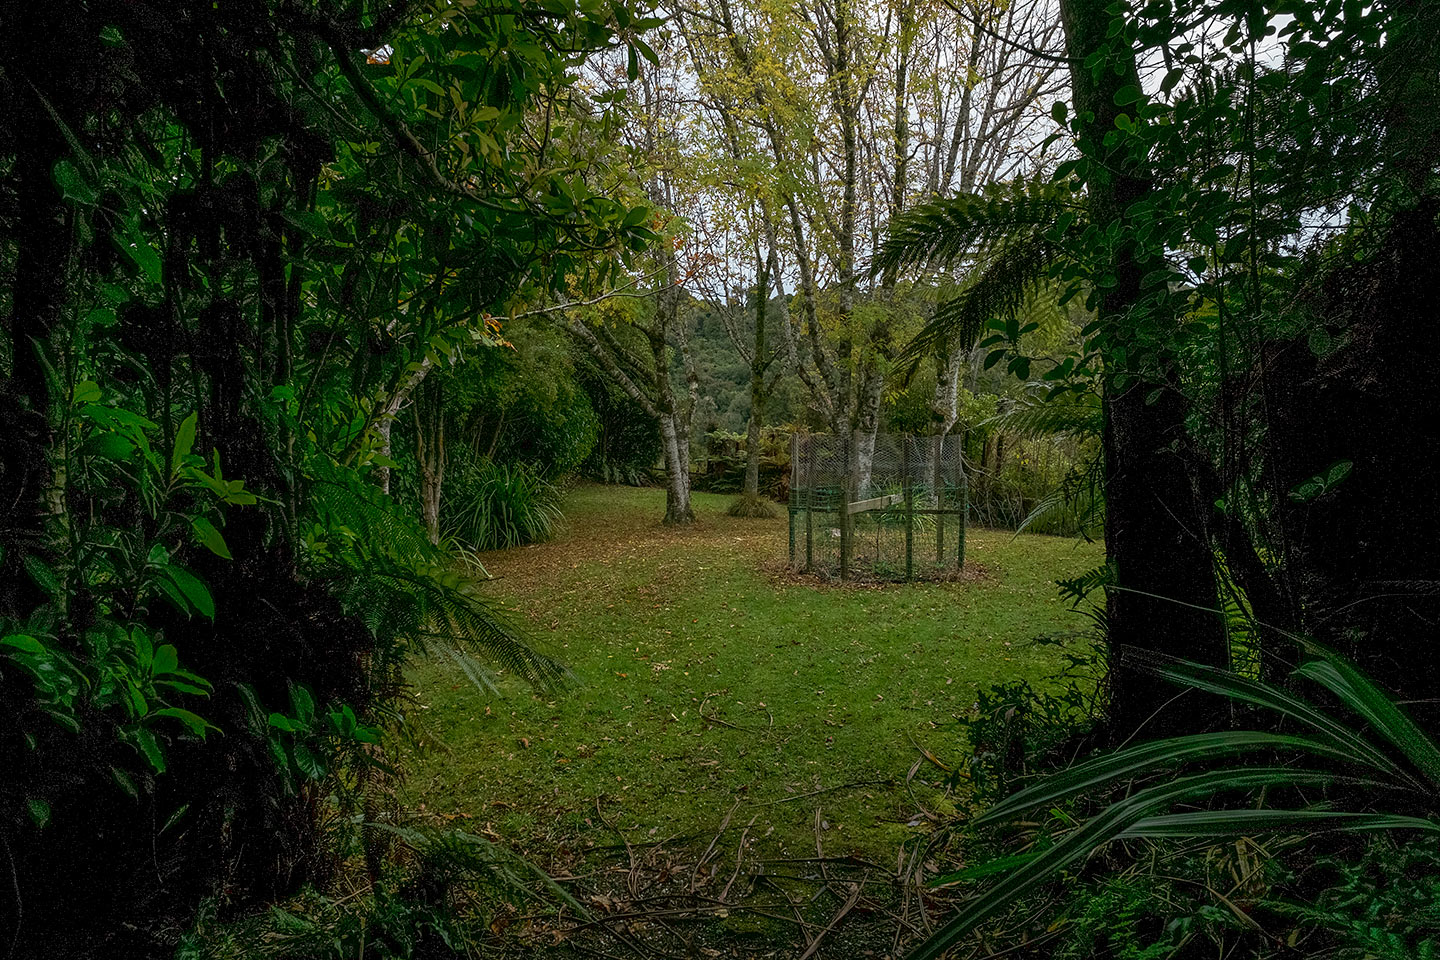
[[826, 688]]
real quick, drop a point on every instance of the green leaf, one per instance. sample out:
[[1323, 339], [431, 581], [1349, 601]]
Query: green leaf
[[124, 782], [196, 723], [302, 702], [184, 443], [166, 660], [174, 818], [196, 593], [1059, 110], [988, 868], [1245, 823], [23, 642], [101, 317], [1361, 695], [73, 185], [210, 537], [108, 446], [312, 222], [1227, 684], [39, 811], [134, 245], [1145, 758], [308, 763], [150, 749], [42, 575], [1127, 95], [181, 686], [175, 595], [1106, 826], [646, 51], [86, 391]]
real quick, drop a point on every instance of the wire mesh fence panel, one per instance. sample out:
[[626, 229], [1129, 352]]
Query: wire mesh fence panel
[[887, 507]]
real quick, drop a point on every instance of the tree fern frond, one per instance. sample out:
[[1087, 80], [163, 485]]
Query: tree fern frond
[[999, 290], [1075, 507], [452, 853], [427, 606], [379, 562], [1050, 420], [944, 232]]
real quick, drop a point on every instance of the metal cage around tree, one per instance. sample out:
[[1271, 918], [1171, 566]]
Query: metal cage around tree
[[892, 511]]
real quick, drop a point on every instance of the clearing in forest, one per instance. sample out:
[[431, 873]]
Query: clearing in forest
[[710, 681]]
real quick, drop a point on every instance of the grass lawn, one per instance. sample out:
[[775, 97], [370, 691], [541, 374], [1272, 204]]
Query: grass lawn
[[707, 679]]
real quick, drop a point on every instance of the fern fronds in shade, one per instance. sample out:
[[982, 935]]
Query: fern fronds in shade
[[1034, 421], [1003, 283], [945, 232], [378, 561], [435, 608], [449, 855]]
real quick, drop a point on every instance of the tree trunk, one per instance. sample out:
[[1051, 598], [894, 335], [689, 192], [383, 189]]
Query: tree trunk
[[430, 453], [677, 472], [865, 426], [1155, 534], [749, 503], [1362, 558]]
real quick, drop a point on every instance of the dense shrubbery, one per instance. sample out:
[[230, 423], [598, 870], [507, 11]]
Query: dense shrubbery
[[235, 247], [495, 505]]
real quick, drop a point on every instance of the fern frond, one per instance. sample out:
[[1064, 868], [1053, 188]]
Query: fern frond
[[428, 606], [1050, 420], [945, 232], [997, 291], [458, 853], [1075, 507], [381, 565]]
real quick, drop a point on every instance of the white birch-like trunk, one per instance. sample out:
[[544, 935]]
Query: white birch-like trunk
[[677, 471]]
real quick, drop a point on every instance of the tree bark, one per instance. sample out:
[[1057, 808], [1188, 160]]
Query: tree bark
[[749, 503], [430, 453], [1155, 534], [676, 445]]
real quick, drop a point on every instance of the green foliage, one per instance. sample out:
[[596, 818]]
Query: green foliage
[[521, 403], [377, 559], [91, 663], [629, 441], [501, 505], [1383, 903], [1343, 759], [1016, 728], [436, 899]]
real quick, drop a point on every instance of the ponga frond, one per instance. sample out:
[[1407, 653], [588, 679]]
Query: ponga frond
[[946, 232], [409, 592], [998, 289]]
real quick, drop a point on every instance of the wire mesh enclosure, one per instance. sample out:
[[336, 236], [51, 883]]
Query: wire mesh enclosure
[[894, 510]]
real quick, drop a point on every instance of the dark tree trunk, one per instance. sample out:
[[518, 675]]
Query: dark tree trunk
[[749, 503], [1155, 535], [42, 66], [1362, 555]]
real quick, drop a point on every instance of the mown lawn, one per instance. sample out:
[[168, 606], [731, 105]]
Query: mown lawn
[[708, 680]]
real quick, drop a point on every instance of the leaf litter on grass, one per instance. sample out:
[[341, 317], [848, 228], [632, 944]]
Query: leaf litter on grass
[[710, 687]]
